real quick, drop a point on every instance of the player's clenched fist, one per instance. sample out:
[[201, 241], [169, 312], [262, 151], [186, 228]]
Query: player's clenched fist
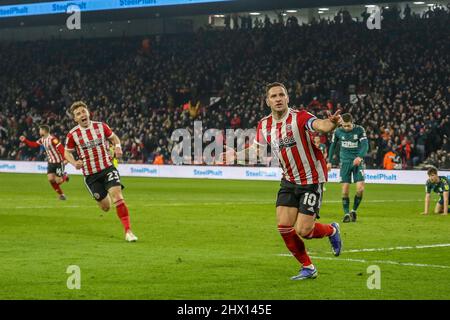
[[22, 138]]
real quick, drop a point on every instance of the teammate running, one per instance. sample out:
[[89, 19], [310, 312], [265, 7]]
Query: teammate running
[[55, 157], [89, 139]]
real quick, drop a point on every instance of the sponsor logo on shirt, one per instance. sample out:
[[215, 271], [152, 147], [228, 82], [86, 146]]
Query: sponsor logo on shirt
[[286, 142], [91, 144], [349, 144]]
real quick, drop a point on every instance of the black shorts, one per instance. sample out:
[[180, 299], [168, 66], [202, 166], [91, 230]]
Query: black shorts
[[307, 198], [56, 168], [99, 183]]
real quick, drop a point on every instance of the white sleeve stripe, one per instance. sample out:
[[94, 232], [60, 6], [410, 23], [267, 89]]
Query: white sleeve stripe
[[363, 138], [309, 124]]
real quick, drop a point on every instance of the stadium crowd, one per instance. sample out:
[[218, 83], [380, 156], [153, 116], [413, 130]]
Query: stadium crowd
[[394, 81]]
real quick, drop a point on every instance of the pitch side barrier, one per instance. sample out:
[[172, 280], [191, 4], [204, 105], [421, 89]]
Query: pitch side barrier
[[223, 172]]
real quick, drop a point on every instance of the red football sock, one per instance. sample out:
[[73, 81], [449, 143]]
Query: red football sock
[[320, 231], [56, 187], [295, 245], [122, 213]]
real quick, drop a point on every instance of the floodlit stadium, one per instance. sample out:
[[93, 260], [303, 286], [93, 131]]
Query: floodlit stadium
[[224, 150]]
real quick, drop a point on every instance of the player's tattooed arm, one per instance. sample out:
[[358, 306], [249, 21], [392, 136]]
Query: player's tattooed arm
[[251, 154], [329, 124]]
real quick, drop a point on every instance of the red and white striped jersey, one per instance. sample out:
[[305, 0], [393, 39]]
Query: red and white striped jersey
[[302, 162], [53, 148], [91, 145]]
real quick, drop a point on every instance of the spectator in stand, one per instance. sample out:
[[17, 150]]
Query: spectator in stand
[[235, 122], [390, 160], [401, 82]]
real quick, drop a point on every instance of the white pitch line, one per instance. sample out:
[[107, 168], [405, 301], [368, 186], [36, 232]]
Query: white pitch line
[[48, 207], [409, 264], [440, 245], [426, 246]]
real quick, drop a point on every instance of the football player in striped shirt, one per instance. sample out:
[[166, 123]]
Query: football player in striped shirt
[[90, 140], [55, 157], [304, 173]]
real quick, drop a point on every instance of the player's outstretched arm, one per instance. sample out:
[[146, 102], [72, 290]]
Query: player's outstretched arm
[[328, 125], [31, 144], [231, 155], [253, 152], [427, 203]]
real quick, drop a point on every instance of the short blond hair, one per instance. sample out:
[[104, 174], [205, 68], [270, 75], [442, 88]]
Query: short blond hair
[[273, 85], [432, 170], [76, 105]]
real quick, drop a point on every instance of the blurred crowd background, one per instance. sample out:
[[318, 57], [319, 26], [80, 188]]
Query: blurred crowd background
[[394, 81]]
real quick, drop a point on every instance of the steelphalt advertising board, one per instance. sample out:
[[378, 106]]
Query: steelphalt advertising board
[[224, 172]]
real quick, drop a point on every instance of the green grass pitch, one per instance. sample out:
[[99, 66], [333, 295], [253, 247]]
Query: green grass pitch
[[211, 239]]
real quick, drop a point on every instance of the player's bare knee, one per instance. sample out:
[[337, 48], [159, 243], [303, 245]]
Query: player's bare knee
[[105, 204], [305, 231], [115, 195]]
